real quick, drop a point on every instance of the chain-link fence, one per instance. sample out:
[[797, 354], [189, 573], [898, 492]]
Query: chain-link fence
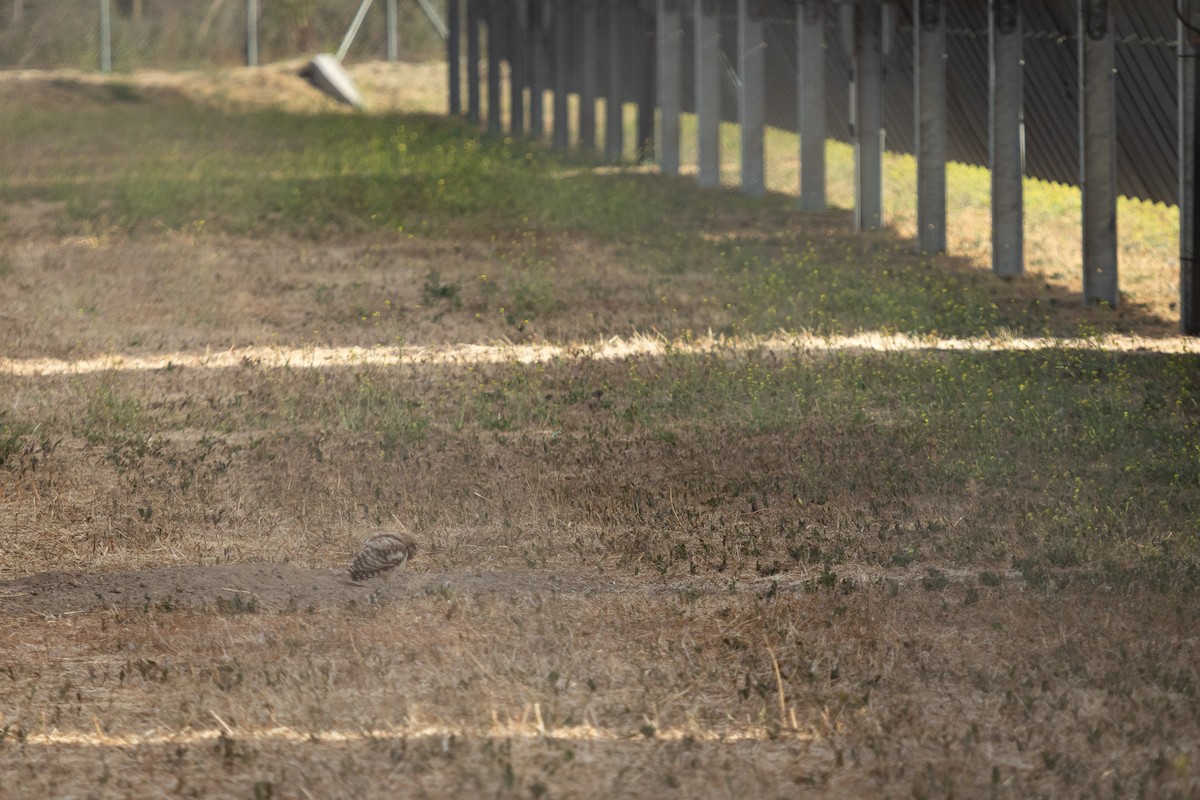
[[179, 34]]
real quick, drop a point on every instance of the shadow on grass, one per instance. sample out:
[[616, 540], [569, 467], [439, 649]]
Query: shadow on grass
[[325, 176], [815, 272]]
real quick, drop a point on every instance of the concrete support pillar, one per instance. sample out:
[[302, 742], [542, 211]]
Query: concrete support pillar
[[752, 110], [810, 102], [536, 66], [1189, 167], [517, 65], [614, 119], [562, 122], [453, 53], [708, 93], [1006, 136], [670, 83], [589, 80], [1098, 151], [930, 114], [496, 22], [867, 117], [474, 104], [646, 65]]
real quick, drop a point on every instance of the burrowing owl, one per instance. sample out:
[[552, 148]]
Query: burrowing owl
[[381, 553]]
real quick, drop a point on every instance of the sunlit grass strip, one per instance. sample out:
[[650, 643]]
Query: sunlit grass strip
[[287, 734], [614, 348]]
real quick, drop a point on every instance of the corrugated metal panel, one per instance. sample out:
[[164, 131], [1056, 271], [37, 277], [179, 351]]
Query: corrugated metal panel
[[1051, 98], [967, 89], [1145, 88], [1147, 94]]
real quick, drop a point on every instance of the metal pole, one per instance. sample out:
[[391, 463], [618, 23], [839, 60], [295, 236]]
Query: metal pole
[[352, 32], [1189, 168], [1006, 137], [614, 118], [393, 30], [434, 20], [810, 102], [453, 56], [869, 131], [1098, 151], [105, 37], [562, 122], [930, 113], [752, 114], [670, 83], [708, 93], [251, 33]]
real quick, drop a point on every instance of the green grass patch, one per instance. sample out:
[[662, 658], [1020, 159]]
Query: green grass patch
[[319, 176]]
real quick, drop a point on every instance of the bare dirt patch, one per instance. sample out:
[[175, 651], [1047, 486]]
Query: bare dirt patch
[[286, 587]]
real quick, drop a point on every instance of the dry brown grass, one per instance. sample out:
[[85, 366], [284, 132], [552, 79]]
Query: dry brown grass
[[678, 690], [639, 576]]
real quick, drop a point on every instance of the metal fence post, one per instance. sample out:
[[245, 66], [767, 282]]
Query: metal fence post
[[810, 102], [1188, 76], [1098, 151], [708, 93], [1006, 136], [930, 112], [752, 113], [105, 37], [670, 83]]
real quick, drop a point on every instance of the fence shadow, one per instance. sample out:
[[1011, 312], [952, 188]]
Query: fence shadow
[[875, 277]]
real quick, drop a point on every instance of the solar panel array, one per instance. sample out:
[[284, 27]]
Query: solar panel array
[[1146, 83]]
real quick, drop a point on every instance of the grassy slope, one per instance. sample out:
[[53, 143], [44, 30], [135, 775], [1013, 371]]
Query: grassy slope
[[910, 482]]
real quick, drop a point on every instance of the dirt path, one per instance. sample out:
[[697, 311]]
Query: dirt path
[[287, 587], [254, 586]]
